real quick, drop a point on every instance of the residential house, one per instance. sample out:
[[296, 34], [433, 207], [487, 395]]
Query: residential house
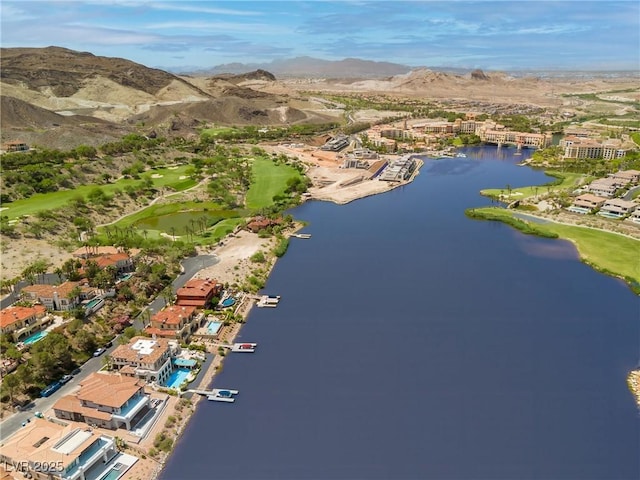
[[89, 251], [625, 177], [73, 453], [58, 297], [260, 223], [198, 292], [122, 262], [175, 322], [635, 216], [586, 203], [616, 207], [145, 358], [105, 400], [20, 322], [603, 187]]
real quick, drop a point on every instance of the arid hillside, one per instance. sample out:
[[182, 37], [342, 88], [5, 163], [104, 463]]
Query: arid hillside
[[61, 98]]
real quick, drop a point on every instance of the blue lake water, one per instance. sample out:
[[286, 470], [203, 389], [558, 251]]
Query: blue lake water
[[414, 343]]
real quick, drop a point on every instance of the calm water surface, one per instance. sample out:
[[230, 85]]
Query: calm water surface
[[414, 343]]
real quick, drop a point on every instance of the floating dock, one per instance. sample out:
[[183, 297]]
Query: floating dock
[[244, 347], [301, 235], [268, 301], [222, 395]]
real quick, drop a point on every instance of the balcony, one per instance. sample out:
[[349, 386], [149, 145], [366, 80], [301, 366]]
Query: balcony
[[102, 447]]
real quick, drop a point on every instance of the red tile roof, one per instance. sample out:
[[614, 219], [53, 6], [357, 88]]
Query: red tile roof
[[13, 314]]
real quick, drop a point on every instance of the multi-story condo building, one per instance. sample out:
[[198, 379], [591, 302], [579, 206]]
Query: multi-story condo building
[[145, 358], [586, 203], [68, 452], [616, 207], [603, 187], [104, 400]]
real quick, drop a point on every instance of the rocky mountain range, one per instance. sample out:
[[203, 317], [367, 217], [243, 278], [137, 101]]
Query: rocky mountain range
[[61, 98]]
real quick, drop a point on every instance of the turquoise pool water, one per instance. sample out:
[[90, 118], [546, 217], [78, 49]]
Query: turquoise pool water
[[112, 475], [92, 303], [126, 276], [36, 337], [177, 378], [213, 328], [227, 302]]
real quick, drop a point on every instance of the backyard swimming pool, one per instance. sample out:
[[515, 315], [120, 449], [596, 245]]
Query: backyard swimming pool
[[36, 337], [213, 328], [177, 378]]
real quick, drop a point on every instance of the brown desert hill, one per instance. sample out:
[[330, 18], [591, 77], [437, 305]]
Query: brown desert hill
[[65, 71], [258, 74], [16, 113]]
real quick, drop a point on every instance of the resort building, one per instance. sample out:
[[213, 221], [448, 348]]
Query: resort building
[[107, 401], [586, 203], [399, 170], [581, 147], [72, 453], [21, 322], [616, 207], [336, 144], [604, 187], [63, 297], [146, 358], [175, 322], [198, 292]]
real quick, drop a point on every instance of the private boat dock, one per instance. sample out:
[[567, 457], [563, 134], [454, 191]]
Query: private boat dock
[[217, 394], [239, 347], [268, 301]]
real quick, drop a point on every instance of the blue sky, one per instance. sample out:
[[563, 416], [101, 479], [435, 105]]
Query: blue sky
[[501, 35]]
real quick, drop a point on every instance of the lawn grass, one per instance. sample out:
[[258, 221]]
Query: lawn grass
[[269, 180], [607, 252], [566, 180], [48, 201]]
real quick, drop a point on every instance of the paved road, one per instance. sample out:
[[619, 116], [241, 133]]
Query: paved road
[[13, 423], [190, 266]]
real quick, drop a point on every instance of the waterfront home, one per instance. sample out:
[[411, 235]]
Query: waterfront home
[[72, 453], [635, 216], [260, 223], [20, 322], [616, 207], [104, 400], [198, 292], [175, 322], [586, 203], [63, 297], [146, 358], [603, 187]]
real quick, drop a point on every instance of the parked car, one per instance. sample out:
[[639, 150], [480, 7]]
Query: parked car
[[65, 379], [49, 389], [99, 352], [76, 371]]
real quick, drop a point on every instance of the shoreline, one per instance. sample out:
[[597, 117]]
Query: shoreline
[[224, 268]]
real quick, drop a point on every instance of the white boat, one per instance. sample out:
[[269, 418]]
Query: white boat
[[244, 347], [222, 395], [301, 235], [461, 155], [268, 301]]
